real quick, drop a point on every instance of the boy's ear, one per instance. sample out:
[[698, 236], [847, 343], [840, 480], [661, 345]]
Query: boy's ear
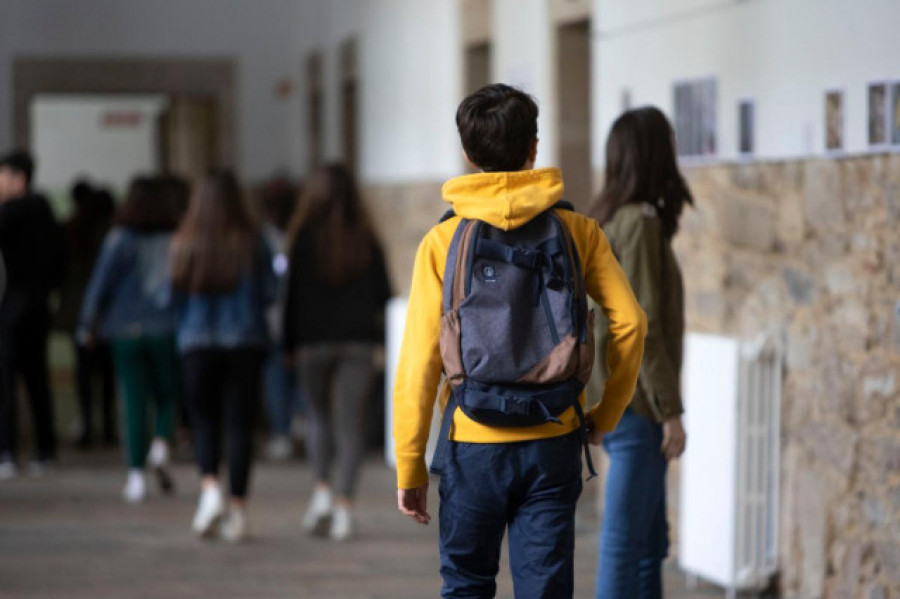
[[532, 156]]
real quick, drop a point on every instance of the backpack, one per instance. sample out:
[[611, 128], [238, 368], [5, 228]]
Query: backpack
[[516, 337]]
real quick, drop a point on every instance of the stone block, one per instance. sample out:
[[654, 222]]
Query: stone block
[[875, 512], [877, 393], [800, 286], [877, 591], [882, 385], [845, 277], [831, 446], [822, 201], [745, 220], [800, 347], [888, 556], [895, 326], [851, 319], [402, 214], [845, 563], [879, 458], [811, 508], [790, 225], [838, 378]]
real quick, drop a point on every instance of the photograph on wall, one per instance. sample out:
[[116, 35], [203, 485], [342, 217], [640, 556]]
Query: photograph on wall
[[708, 112], [695, 117], [834, 121], [745, 127], [895, 113], [878, 114]]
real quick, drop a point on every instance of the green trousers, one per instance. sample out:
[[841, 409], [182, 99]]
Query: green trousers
[[148, 372]]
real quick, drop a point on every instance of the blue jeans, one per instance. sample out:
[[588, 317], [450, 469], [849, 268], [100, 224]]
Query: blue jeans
[[531, 487], [635, 535]]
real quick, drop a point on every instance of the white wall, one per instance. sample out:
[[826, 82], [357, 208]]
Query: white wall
[[72, 138], [525, 56], [325, 26], [261, 36], [783, 53], [411, 83]]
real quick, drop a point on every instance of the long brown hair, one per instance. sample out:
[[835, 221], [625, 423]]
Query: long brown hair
[[214, 245], [641, 166], [331, 213]]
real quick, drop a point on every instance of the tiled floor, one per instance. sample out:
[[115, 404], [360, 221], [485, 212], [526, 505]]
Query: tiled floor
[[70, 535]]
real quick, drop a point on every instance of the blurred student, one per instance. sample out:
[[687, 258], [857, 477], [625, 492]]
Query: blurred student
[[127, 304], [337, 290], [91, 219], [276, 204], [31, 244], [176, 191], [639, 209], [223, 280]]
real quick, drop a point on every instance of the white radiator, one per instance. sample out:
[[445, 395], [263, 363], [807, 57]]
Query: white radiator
[[730, 471]]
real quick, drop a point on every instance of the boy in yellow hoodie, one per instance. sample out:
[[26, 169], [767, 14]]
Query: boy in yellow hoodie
[[526, 479]]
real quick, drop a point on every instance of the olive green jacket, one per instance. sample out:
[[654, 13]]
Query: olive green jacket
[[636, 236]]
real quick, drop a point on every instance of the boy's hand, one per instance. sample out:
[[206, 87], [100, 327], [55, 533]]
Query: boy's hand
[[413, 503]]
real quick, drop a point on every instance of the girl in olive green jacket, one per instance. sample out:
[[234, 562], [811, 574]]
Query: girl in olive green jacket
[[639, 209]]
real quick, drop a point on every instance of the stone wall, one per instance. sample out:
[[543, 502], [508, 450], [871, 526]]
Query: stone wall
[[811, 248], [402, 213]]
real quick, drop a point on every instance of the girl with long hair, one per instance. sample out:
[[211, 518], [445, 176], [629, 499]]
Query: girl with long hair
[[223, 280], [337, 289], [639, 209], [127, 305]]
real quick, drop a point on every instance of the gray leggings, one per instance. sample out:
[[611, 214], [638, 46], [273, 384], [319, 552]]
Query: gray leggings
[[337, 378]]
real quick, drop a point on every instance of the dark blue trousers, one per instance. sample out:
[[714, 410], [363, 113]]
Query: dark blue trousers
[[529, 487], [635, 535]]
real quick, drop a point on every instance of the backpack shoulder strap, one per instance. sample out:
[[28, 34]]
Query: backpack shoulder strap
[[456, 256], [447, 215]]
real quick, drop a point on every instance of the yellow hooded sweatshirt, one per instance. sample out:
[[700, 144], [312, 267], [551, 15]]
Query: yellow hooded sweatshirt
[[505, 200]]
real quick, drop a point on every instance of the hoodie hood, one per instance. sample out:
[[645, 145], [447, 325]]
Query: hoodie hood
[[505, 200]]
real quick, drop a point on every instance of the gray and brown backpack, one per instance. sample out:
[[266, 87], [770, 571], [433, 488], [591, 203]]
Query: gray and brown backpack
[[516, 336]]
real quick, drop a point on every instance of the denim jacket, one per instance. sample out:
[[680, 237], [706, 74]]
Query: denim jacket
[[128, 294], [236, 319]]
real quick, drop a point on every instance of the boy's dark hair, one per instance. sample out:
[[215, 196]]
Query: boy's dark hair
[[20, 162], [497, 125]]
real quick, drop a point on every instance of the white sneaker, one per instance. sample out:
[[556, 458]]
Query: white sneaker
[[210, 509], [341, 524], [235, 527], [8, 470], [158, 458], [159, 453], [318, 512], [279, 448], [135, 489]]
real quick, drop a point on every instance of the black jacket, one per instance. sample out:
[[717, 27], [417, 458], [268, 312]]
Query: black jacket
[[32, 245], [318, 312]]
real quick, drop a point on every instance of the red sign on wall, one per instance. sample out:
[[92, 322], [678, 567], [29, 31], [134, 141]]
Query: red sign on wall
[[121, 119]]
